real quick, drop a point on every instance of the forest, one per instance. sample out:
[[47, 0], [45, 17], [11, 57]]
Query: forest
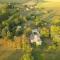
[[16, 24]]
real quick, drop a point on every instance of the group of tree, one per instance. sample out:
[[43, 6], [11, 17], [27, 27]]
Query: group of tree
[[13, 23]]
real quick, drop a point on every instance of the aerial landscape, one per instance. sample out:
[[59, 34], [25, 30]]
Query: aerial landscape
[[29, 29]]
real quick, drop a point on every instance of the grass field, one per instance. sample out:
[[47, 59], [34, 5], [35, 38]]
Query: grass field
[[10, 54]]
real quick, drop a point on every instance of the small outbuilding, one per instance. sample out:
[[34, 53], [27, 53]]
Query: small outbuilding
[[35, 37]]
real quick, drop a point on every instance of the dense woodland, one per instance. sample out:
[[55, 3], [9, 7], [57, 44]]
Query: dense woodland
[[19, 21]]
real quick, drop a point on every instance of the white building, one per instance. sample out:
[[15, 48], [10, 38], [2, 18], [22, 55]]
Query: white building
[[35, 37]]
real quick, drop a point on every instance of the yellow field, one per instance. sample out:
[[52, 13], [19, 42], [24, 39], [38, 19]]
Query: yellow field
[[49, 5]]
